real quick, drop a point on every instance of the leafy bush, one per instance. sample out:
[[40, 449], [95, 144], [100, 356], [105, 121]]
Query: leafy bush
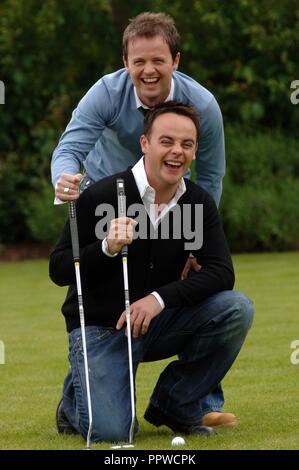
[[259, 204], [44, 220], [244, 51]]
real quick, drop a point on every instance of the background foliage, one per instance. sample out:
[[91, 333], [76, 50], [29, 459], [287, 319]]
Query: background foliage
[[244, 51]]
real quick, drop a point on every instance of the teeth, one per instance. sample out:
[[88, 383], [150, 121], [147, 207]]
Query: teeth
[[174, 164], [150, 80]]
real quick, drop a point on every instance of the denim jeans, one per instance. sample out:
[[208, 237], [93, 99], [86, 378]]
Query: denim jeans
[[207, 339]]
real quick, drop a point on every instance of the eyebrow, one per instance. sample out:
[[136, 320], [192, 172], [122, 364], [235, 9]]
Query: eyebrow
[[172, 138]]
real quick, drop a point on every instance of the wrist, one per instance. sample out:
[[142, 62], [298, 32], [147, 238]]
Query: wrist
[[107, 249]]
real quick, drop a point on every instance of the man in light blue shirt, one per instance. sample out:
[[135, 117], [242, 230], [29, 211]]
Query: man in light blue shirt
[[104, 133]]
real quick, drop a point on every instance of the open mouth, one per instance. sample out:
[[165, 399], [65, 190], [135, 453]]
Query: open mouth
[[150, 81], [173, 165]]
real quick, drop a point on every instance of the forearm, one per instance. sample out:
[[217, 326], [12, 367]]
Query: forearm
[[81, 134], [216, 273], [198, 286]]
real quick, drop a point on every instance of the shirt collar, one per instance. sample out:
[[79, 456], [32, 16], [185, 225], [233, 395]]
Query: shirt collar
[[139, 103], [144, 187]]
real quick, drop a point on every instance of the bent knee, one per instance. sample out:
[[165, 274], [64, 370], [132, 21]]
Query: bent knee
[[244, 309]]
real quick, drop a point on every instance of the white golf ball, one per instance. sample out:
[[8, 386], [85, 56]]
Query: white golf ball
[[178, 441]]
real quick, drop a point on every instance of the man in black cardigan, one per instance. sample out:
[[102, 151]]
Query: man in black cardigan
[[200, 318]]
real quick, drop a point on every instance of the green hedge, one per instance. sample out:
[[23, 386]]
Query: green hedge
[[259, 206], [244, 51]]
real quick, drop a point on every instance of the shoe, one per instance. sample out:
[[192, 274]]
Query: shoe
[[156, 417], [62, 423], [217, 418]]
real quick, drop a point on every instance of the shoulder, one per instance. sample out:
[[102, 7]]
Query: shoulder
[[188, 89], [196, 195], [195, 191], [112, 86], [117, 81], [105, 189]]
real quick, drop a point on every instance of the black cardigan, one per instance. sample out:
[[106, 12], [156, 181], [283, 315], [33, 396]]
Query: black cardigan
[[153, 264]]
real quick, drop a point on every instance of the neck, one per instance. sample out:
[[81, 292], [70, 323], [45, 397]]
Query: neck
[[164, 195]]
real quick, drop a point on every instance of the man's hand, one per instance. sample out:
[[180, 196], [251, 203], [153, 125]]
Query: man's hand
[[142, 313], [190, 264], [121, 233], [67, 187]]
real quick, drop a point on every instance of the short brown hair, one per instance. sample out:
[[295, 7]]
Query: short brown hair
[[176, 107], [149, 25]]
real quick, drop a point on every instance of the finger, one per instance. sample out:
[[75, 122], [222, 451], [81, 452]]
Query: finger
[[67, 197], [68, 178], [184, 274], [121, 321], [67, 184], [78, 177], [136, 326], [145, 325]]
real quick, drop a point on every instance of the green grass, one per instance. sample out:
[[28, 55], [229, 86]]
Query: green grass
[[261, 388]]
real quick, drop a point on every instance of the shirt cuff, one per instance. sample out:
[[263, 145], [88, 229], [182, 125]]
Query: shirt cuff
[[58, 201], [105, 249], [159, 298]]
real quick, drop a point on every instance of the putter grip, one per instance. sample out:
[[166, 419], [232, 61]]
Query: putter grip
[[74, 230], [121, 201]]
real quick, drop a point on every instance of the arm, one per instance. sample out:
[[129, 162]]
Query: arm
[[210, 157], [88, 121], [216, 273]]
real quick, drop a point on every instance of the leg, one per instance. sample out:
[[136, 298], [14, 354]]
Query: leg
[[213, 401], [208, 338], [109, 384]]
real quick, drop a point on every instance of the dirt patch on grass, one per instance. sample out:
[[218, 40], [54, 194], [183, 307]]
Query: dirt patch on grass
[[25, 251]]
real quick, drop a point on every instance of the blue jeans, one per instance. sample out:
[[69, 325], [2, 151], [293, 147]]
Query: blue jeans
[[207, 338]]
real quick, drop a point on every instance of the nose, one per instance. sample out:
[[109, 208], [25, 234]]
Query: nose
[[176, 148], [149, 68]]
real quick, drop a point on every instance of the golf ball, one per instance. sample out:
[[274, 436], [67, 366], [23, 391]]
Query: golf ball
[[178, 441]]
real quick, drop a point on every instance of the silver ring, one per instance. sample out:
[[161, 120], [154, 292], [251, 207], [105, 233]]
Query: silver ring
[[66, 190]]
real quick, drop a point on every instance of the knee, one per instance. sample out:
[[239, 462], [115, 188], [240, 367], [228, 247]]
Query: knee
[[244, 310]]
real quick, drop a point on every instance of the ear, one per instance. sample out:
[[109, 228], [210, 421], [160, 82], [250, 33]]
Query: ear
[[144, 144], [125, 63], [176, 61], [196, 148]]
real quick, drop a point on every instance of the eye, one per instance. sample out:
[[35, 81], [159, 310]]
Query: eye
[[188, 145]]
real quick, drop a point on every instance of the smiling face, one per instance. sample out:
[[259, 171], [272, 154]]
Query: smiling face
[[169, 150], [150, 65]]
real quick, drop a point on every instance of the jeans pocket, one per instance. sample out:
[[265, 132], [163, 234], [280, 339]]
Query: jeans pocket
[[94, 334]]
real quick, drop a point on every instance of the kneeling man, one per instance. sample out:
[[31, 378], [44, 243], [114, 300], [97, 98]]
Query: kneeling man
[[200, 319]]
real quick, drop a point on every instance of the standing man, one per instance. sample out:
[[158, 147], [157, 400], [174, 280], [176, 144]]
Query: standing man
[[104, 133], [199, 318]]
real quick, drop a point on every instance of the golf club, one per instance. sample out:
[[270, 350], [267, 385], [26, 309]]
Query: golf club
[[76, 256], [121, 198]]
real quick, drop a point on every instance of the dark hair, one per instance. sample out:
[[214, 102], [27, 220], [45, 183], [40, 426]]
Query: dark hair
[[176, 107], [149, 25]]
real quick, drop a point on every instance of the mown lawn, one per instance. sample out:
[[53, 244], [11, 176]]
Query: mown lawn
[[261, 388]]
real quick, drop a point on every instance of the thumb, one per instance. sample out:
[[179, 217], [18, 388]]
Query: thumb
[[78, 177]]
